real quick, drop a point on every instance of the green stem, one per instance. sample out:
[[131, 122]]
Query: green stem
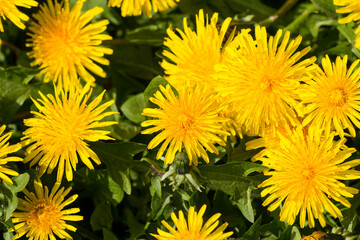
[[280, 12], [293, 25]]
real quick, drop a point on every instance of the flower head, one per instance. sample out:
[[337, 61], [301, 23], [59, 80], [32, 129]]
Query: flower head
[[190, 120], [353, 9], [194, 54], [260, 78], [305, 175], [193, 229], [6, 149], [58, 133], [42, 215], [65, 45], [332, 97], [9, 9], [137, 7]]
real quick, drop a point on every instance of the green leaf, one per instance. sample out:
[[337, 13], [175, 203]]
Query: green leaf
[[118, 157], [254, 231], [326, 6], [156, 184], [285, 235], [350, 216], [152, 88], [101, 217], [149, 35], [9, 197], [348, 32], [231, 178], [12, 94], [108, 235], [136, 229], [125, 129], [240, 153], [158, 204], [244, 204], [133, 107], [19, 183]]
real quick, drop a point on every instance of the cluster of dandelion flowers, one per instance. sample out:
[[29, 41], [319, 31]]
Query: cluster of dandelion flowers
[[332, 97], [6, 149], [260, 77], [137, 7], [189, 120], [307, 177], [65, 45], [193, 54], [58, 133], [9, 10], [41, 214], [353, 9], [193, 229]]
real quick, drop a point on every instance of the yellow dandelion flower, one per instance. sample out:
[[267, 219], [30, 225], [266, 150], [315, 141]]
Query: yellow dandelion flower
[[42, 216], [190, 120], [65, 45], [317, 235], [260, 78], [332, 97], [6, 149], [193, 54], [9, 10], [307, 177], [268, 141], [137, 7], [58, 133], [193, 229], [353, 9]]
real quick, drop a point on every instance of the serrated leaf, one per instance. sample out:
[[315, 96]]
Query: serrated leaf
[[231, 178], [133, 107], [158, 204], [253, 233], [101, 217], [118, 158]]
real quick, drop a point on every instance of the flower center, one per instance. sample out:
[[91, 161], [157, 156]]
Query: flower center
[[338, 97], [185, 121], [44, 216], [308, 173]]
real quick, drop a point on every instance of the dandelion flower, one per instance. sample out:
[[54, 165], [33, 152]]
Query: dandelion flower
[[260, 78], [353, 9], [6, 149], [65, 45], [190, 120], [193, 229], [42, 215], [268, 141], [307, 177], [332, 97], [8, 9], [193, 55], [58, 133], [137, 7]]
